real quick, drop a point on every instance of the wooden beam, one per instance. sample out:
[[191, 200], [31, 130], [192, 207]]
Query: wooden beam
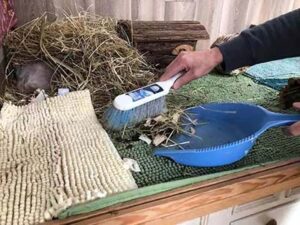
[[273, 185], [199, 199], [149, 31]]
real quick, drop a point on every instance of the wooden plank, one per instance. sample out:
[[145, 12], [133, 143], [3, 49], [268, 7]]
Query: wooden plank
[[202, 210], [180, 190], [170, 25], [150, 36], [245, 176], [203, 201], [149, 31], [159, 38]]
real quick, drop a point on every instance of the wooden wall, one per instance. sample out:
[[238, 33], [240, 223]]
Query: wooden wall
[[219, 16]]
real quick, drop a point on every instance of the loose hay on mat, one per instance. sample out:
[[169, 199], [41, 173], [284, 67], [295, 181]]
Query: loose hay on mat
[[55, 154]]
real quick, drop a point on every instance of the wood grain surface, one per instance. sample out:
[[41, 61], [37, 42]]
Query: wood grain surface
[[198, 199]]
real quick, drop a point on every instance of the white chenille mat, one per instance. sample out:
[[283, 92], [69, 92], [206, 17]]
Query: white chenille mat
[[54, 154]]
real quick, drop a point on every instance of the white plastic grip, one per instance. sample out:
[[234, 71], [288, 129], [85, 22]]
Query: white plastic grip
[[126, 102]]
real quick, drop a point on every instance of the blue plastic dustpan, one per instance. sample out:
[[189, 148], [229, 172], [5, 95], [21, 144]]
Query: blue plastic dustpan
[[224, 133]]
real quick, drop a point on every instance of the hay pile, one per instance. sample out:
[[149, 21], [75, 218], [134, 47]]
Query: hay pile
[[84, 51]]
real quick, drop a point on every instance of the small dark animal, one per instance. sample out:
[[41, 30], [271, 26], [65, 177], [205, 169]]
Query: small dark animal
[[33, 76]]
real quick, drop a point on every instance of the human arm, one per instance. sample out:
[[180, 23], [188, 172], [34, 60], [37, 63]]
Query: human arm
[[275, 39], [278, 38]]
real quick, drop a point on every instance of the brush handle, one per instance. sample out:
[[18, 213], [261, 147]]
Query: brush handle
[[169, 83], [144, 95]]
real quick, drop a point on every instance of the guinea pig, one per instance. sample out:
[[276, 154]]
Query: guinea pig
[[32, 76]]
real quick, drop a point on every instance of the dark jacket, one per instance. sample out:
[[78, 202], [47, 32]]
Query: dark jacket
[[275, 39]]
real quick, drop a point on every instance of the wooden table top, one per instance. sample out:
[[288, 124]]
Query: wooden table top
[[198, 199]]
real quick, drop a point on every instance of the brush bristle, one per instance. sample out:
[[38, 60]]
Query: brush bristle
[[115, 119]]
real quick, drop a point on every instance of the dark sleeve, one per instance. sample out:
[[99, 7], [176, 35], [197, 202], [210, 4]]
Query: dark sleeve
[[275, 39]]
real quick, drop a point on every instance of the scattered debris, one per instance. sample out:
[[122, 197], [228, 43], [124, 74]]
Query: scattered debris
[[193, 131], [131, 164], [160, 118], [63, 91], [175, 117], [145, 138], [41, 96], [158, 139]]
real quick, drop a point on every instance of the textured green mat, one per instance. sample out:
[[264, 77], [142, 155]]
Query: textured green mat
[[214, 89], [159, 174]]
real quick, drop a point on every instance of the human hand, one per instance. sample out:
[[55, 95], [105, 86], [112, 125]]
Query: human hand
[[195, 64], [294, 130]]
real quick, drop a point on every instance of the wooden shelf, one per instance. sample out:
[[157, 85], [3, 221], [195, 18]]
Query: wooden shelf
[[199, 199]]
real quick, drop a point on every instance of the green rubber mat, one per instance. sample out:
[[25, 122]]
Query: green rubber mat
[[270, 147], [161, 174]]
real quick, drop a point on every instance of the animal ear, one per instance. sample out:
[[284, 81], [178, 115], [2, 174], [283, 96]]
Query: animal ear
[[296, 105]]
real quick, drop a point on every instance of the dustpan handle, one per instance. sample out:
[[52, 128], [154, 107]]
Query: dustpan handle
[[281, 119]]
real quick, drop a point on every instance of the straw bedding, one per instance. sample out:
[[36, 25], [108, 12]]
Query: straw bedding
[[85, 52]]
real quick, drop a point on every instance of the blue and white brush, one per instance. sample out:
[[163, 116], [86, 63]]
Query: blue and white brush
[[133, 107]]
